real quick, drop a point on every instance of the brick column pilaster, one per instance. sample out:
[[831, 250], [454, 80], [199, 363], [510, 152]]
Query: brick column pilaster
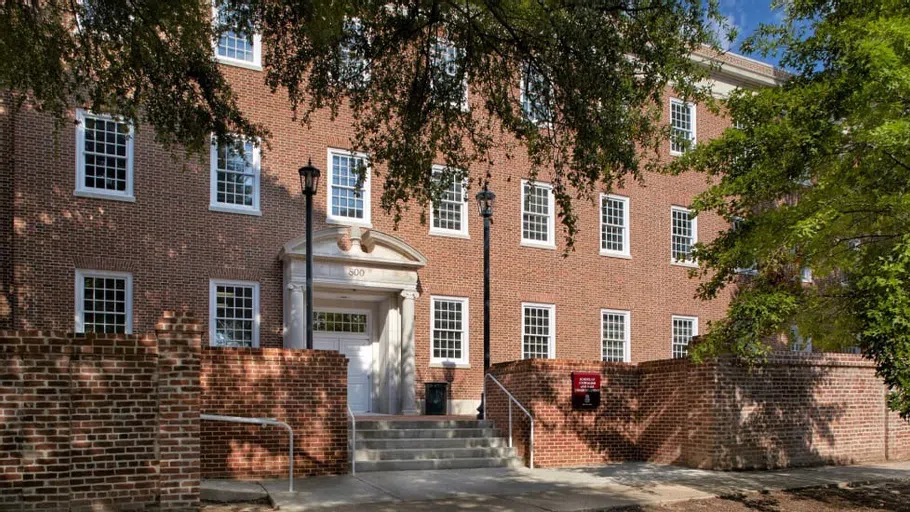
[[179, 349]]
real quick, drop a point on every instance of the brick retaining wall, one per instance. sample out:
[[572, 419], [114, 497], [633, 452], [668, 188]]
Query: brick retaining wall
[[305, 388], [798, 410]]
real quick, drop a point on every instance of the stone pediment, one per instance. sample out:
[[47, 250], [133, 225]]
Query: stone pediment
[[358, 246]]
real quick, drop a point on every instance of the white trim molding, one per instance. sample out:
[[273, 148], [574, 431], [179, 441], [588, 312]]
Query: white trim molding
[[551, 308], [255, 64], [673, 319], [625, 252], [255, 165], [254, 328], [465, 360], [690, 262], [95, 192], [627, 333], [79, 317], [550, 242], [365, 191], [455, 233], [693, 132]]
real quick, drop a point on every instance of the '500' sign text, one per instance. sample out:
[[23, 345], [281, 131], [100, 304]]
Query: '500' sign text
[[356, 273]]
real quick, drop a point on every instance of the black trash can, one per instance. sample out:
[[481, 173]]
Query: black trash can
[[436, 395]]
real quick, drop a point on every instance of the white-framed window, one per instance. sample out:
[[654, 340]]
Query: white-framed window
[[348, 203], [104, 156], [805, 275], [683, 235], [684, 329], [615, 335], [752, 269], [798, 343], [538, 339], [449, 330], [355, 68], [535, 94], [233, 313], [537, 218], [682, 126], [447, 72], [104, 302], [450, 215], [235, 175], [235, 47], [341, 321], [614, 225]]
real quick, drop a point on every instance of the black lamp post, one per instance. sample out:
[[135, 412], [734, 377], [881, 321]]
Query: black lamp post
[[485, 200], [309, 182]]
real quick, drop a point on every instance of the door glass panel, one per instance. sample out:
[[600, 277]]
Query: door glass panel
[[330, 321]]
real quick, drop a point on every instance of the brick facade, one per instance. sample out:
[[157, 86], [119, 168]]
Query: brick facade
[[796, 411], [112, 422], [306, 389], [172, 244]]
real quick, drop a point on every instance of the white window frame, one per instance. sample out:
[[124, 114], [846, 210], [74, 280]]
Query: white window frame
[[627, 332], [256, 63], [366, 190], [465, 103], [626, 249], [214, 205], [694, 220], [213, 283], [694, 320], [693, 137], [458, 233], [81, 274], [523, 86], [81, 190], [550, 243], [744, 271], [552, 345], [464, 361]]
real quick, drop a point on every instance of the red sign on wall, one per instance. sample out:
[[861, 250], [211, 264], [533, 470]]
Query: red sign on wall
[[585, 390]]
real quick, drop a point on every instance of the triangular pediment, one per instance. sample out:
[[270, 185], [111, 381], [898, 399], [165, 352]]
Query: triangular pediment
[[357, 245]]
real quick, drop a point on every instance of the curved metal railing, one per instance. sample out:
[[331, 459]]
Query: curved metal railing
[[511, 399], [264, 422]]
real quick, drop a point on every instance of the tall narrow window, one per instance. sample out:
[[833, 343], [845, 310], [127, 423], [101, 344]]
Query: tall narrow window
[[684, 329], [104, 302], [614, 225], [682, 126], [539, 331], [684, 235], [537, 214], [449, 330], [234, 313], [355, 69], [535, 96], [235, 177], [348, 203], [236, 46], [104, 156], [615, 335], [450, 214], [449, 80]]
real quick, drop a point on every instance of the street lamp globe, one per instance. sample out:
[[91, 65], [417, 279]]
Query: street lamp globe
[[309, 178], [485, 200]]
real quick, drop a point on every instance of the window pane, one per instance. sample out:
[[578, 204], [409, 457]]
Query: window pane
[[613, 225], [234, 315], [347, 197], [682, 132], [448, 329], [233, 44], [448, 213], [105, 154], [103, 304], [614, 337], [330, 321], [536, 213], [683, 236], [235, 174], [537, 332], [683, 331]]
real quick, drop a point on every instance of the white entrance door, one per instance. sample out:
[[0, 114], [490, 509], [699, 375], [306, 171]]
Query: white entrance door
[[348, 332]]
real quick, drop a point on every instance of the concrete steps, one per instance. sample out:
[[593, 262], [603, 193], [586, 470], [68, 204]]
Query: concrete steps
[[408, 444]]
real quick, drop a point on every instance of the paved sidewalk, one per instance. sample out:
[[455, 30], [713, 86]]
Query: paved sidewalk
[[556, 490]]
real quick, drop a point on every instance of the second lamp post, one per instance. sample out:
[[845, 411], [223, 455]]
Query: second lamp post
[[485, 199], [309, 182]]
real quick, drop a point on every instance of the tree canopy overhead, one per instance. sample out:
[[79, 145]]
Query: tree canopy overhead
[[815, 180], [595, 73]]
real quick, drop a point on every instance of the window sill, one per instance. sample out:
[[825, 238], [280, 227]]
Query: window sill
[[450, 234], [619, 255], [450, 364], [227, 61], [342, 221], [90, 194], [220, 208], [538, 245], [687, 264]]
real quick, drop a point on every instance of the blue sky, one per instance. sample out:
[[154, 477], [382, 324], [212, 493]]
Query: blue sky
[[746, 15]]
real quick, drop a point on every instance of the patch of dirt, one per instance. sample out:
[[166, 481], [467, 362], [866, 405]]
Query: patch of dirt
[[892, 496], [257, 506]]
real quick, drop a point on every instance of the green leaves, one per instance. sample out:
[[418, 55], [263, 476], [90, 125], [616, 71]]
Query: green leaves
[[819, 175]]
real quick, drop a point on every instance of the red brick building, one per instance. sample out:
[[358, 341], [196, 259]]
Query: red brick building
[[102, 231]]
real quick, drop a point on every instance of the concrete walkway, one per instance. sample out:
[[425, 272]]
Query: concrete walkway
[[562, 490]]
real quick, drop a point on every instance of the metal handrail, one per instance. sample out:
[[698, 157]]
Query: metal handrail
[[264, 422], [511, 399], [353, 441]]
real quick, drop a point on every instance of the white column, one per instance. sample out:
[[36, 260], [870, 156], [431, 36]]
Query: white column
[[408, 365], [297, 327]]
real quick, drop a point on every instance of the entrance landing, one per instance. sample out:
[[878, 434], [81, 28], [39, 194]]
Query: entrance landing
[[403, 417], [564, 490]]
